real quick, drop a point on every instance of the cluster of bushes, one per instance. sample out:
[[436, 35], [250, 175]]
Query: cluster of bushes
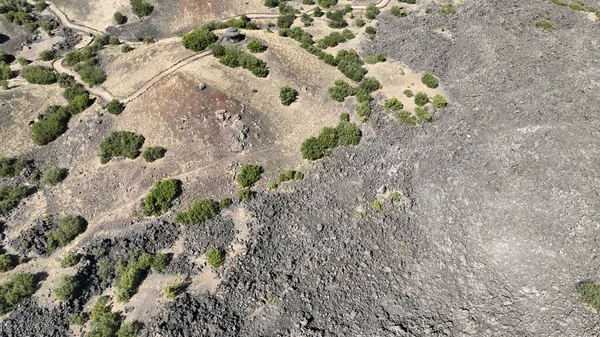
[[215, 257], [287, 95], [327, 3], [336, 19], [39, 75], [249, 175], [141, 8], [66, 230], [375, 58], [350, 64], [67, 289], [105, 323], [255, 46], [161, 196], [429, 80], [289, 175], [198, 212], [421, 115], [131, 275], [15, 290], [345, 134], [287, 15], [372, 12], [85, 62], [153, 154], [233, 58], [393, 104], [10, 196], [54, 175], [12, 166], [121, 143], [342, 89], [115, 107], [398, 12], [70, 260], [335, 38], [199, 39], [20, 12]]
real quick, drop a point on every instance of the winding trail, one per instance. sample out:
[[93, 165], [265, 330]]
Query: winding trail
[[106, 95]]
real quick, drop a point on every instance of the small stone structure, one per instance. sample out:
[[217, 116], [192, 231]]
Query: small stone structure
[[233, 35]]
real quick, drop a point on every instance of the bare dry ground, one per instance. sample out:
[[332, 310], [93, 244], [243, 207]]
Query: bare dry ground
[[97, 14]]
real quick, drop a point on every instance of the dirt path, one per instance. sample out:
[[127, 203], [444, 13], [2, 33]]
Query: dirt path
[[64, 19]]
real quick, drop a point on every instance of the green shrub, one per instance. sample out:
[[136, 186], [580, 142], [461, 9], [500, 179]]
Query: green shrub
[[245, 193], [372, 12], [106, 268], [10, 167], [423, 115], [233, 58], [308, 2], [51, 127], [327, 3], [421, 99], [377, 206], [271, 185], [5, 72], [39, 75], [68, 228], [126, 48], [546, 24], [141, 8], [287, 95], [344, 117], [448, 9], [306, 20], [121, 143], [350, 64], [92, 75], [160, 261], [348, 134], [120, 19], [67, 289], [255, 46], [72, 90], [375, 58], [359, 22], [161, 196], [248, 175], [336, 19], [313, 149], [11, 196], [271, 3], [115, 107], [341, 90], [408, 93], [199, 39], [439, 101], [318, 12], [79, 318], [364, 110], [79, 103], [369, 85], [131, 275], [285, 20], [407, 118], [429, 80], [393, 104], [328, 137], [215, 257], [288, 175], [15, 290], [398, 12], [70, 260], [370, 31], [198, 212], [114, 40], [54, 175], [412, 2], [7, 262], [172, 290], [152, 154], [589, 292], [428, 10], [224, 203], [103, 322], [331, 40], [128, 330], [46, 55]]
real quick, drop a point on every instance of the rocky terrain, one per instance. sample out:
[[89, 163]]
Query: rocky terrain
[[486, 219]]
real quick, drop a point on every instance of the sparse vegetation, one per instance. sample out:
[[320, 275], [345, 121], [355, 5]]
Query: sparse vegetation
[[248, 175], [421, 99], [327, 3], [448, 9], [172, 290], [67, 289], [161, 196], [429, 80], [375, 58], [439, 101], [245, 193], [589, 292], [215, 257], [15, 290], [70, 260], [120, 19], [103, 322], [12, 166], [377, 206], [46, 55], [287, 95], [407, 118], [131, 275], [255, 46], [67, 229], [198, 212], [39, 75], [398, 12], [10, 196], [141, 8], [115, 107], [121, 143], [126, 48], [546, 24], [199, 39], [152, 154], [79, 318], [54, 175]]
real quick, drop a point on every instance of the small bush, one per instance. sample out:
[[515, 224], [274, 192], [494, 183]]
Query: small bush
[[412, 2], [126, 48], [328, 137], [141, 8], [46, 55], [160, 261], [377, 206], [39, 75], [14, 291], [79, 318], [370, 31], [344, 117], [318, 12], [5, 72], [306, 20], [54, 175], [10, 197], [68, 228], [375, 58], [10, 167], [114, 40], [198, 212], [256, 46], [271, 185], [589, 292], [341, 90], [115, 107], [393, 104], [359, 22], [199, 39], [348, 134], [407, 118], [248, 175], [7, 262], [364, 110], [448, 9], [131, 275], [408, 93], [172, 290], [67, 289], [120, 19], [120, 143], [152, 154], [215, 257], [372, 12], [103, 322], [128, 330], [327, 3], [287, 95], [224, 203], [313, 149], [546, 24], [421, 99], [429, 80], [369, 85], [70, 260], [271, 3], [50, 128], [439, 101], [245, 193], [161, 196], [350, 64], [423, 115], [398, 12], [336, 19]]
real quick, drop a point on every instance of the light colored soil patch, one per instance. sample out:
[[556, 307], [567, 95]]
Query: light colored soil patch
[[32, 52], [128, 72], [45, 294], [97, 14], [195, 12], [241, 219], [205, 281]]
